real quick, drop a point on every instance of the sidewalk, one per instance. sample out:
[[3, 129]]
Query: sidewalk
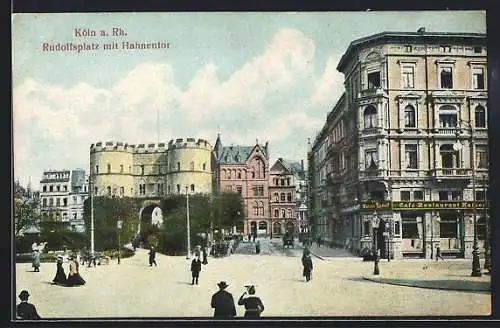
[[449, 275], [325, 251]]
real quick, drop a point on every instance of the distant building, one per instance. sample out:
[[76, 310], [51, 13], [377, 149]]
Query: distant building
[[62, 195], [245, 169], [288, 205]]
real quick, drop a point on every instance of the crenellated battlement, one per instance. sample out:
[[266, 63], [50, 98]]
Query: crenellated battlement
[[143, 148]]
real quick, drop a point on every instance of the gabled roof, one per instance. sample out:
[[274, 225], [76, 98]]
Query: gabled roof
[[290, 167], [234, 154]]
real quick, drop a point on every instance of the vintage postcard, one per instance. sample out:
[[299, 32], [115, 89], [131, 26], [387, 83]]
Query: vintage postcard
[[250, 164]]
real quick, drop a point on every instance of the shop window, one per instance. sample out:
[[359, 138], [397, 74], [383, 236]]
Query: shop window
[[366, 228], [448, 228], [405, 195], [410, 228]]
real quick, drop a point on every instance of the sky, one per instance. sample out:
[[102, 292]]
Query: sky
[[250, 76]]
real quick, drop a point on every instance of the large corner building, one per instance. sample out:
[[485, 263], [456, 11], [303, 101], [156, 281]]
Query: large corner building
[[407, 143]]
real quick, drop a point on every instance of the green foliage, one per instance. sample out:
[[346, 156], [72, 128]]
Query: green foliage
[[26, 209], [227, 210], [59, 240]]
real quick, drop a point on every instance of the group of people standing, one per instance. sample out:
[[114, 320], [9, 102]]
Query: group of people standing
[[73, 278], [36, 250], [223, 302]]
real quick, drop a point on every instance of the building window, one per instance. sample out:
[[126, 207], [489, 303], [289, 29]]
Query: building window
[[290, 213], [228, 174], [289, 197], [283, 213], [478, 78], [178, 166], [58, 188], [282, 197], [65, 201], [366, 228], [191, 166], [480, 117], [95, 190], [408, 73], [122, 191], [446, 74], [44, 202], [410, 229], [276, 197], [418, 195], [239, 175], [448, 227], [121, 168], [51, 202], [109, 168], [448, 120], [108, 190], [374, 80], [482, 157], [44, 188], [178, 189], [370, 117], [160, 189], [51, 188], [408, 48], [478, 50], [192, 187], [58, 201], [370, 158], [239, 189], [411, 156], [276, 213], [449, 157], [142, 189], [410, 117], [405, 195], [255, 209], [97, 169], [204, 166]]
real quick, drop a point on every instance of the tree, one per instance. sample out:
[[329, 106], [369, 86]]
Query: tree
[[26, 209], [228, 210]]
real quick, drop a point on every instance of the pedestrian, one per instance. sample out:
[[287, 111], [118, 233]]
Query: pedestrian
[[223, 302], [318, 241], [152, 256], [60, 277], [253, 236], [438, 254], [257, 247], [308, 266], [35, 260], [25, 310], [205, 255], [195, 269], [253, 304], [74, 278], [249, 237]]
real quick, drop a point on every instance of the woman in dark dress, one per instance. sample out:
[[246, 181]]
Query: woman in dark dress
[[60, 277], [74, 278], [253, 304], [308, 266]]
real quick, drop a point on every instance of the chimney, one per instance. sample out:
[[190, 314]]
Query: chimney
[[421, 30]]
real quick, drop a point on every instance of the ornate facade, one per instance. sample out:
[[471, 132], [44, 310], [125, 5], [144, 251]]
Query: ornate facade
[[408, 144]]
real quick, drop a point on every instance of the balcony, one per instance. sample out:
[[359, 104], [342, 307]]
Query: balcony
[[451, 173], [371, 92], [372, 174], [371, 131]]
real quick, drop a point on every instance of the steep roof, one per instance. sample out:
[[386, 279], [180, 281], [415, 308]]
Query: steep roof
[[234, 154], [292, 167]]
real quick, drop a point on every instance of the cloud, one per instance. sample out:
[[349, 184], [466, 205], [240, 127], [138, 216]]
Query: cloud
[[274, 97]]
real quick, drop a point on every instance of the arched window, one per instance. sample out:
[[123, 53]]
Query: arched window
[[289, 197], [480, 117], [228, 176], [239, 174], [448, 116], [410, 117], [449, 157], [261, 208], [276, 213], [276, 197], [282, 197], [290, 213], [255, 209], [204, 166], [283, 213], [370, 117]]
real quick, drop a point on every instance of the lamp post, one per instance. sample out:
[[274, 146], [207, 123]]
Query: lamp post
[[188, 229], [387, 235], [119, 224], [435, 216], [375, 223], [476, 265], [487, 265], [91, 215]]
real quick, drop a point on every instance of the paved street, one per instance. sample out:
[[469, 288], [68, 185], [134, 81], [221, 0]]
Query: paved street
[[133, 289]]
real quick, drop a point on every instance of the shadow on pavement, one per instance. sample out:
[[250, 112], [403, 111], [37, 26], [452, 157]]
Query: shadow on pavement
[[457, 285]]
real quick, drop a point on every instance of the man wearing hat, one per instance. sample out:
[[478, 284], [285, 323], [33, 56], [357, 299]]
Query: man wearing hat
[[253, 304], [25, 310], [223, 302]]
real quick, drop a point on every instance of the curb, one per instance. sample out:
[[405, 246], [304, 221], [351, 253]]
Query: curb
[[416, 285]]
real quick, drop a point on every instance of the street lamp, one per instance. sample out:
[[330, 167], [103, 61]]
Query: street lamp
[[188, 229], [375, 223], [119, 224], [387, 235], [476, 265], [91, 214], [487, 265]]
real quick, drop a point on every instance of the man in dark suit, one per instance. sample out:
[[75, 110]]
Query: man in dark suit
[[152, 256], [195, 269], [223, 302], [25, 310]]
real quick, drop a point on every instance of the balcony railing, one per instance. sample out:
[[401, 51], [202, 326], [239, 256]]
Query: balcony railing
[[371, 92], [451, 173]]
